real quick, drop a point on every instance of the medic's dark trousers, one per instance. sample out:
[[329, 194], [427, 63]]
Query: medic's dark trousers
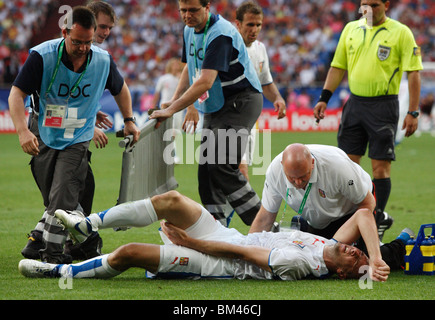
[[223, 143], [60, 176]]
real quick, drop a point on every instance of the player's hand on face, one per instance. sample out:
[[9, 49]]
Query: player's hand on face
[[379, 270]]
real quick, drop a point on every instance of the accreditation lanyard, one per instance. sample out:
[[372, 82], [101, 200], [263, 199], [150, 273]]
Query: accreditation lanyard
[[203, 42], [56, 69], [304, 200]]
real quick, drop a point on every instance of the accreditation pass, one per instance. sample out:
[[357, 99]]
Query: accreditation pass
[[54, 116]]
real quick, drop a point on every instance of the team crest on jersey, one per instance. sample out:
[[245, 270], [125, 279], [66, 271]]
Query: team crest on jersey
[[383, 52], [322, 193], [300, 244]]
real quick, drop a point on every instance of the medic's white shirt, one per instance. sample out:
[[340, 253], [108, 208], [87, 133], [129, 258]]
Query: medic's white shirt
[[258, 56], [338, 186]]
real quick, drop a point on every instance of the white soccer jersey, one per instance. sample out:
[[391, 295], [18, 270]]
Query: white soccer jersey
[[166, 85], [338, 186], [294, 255], [258, 56]]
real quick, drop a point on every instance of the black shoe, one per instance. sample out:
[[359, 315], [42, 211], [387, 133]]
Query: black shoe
[[384, 222], [86, 250], [57, 259], [34, 244]]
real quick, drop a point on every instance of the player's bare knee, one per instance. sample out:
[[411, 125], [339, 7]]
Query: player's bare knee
[[123, 257], [167, 200], [117, 259], [173, 196]]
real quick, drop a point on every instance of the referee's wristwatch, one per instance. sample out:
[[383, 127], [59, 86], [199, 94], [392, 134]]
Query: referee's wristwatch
[[133, 119], [415, 114]]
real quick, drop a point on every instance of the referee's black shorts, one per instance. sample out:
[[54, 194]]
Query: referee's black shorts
[[371, 121]]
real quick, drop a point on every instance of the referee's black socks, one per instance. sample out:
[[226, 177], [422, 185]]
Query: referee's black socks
[[382, 192]]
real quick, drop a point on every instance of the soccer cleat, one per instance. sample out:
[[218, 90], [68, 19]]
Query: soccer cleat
[[76, 223], [56, 259], [37, 269], [384, 223]]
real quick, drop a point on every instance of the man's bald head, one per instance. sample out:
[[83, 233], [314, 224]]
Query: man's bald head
[[297, 164]]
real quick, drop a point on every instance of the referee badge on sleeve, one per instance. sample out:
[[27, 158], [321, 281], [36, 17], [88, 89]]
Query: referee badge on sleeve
[[417, 51], [383, 52]]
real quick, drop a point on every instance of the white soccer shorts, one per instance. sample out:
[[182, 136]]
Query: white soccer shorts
[[181, 262]]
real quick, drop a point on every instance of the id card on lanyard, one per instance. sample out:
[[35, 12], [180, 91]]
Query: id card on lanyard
[[197, 74], [55, 114], [56, 109]]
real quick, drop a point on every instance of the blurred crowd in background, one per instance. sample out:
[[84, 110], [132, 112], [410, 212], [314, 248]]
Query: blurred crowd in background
[[300, 35]]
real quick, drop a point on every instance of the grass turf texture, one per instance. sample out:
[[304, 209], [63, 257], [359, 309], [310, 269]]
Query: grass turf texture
[[411, 204]]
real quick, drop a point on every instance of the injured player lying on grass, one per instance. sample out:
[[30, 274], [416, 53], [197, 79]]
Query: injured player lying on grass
[[197, 246]]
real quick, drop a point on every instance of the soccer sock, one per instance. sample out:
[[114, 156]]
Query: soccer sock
[[382, 191], [405, 235], [139, 213], [97, 267]]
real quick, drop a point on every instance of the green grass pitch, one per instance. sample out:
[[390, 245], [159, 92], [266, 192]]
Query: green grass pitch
[[411, 204]]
